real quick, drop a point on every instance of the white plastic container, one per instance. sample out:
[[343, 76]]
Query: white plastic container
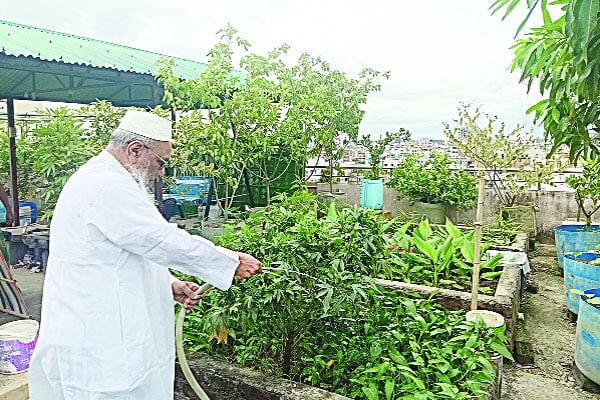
[[492, 319], [24, 216], [17, 341]]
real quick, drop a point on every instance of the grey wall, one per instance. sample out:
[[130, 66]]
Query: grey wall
[[551, 208]]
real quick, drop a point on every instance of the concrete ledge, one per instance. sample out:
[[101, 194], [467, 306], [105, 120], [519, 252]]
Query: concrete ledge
[[224, 381]]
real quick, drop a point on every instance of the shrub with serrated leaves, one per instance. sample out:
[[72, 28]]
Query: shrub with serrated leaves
[[315, 318]]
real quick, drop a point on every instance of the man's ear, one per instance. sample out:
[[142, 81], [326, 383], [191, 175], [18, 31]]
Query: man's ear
[[135, 148]]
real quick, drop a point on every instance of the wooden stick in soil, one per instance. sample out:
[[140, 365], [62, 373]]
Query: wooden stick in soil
[[477, 253]]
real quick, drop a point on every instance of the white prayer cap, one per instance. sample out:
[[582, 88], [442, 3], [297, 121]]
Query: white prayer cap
[[146, 124]]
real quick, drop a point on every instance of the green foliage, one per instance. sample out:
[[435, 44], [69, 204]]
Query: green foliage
[[103, 118], [267, 121], [58, 150], [439, 257], [587, 188], [563, 56], [377, 147], [433, 181], [219, 143], [314, 317], [290, 232], [381, 346], [28, 181], [329, 106], [498, 152], [51, 148]]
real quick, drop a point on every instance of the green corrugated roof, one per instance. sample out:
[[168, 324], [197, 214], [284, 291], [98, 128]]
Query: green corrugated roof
[[44, 44]]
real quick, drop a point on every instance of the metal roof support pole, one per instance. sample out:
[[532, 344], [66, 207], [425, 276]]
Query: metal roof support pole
[[12, 137]]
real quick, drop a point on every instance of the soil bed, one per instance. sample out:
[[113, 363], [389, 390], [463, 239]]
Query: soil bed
[[548, 329]]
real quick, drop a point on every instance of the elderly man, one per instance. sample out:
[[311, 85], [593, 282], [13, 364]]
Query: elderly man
[[107, 310]]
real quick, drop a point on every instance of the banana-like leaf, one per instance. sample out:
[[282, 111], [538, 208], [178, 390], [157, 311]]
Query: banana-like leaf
[[468, 250], [426, 248], [491, 263], [424, 229], [453, 231], [331, 212]]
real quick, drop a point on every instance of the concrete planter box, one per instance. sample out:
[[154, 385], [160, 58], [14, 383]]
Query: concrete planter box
[[224, 381], [506, 299]]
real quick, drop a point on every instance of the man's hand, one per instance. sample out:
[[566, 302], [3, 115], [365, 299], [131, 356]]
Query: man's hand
[[248, 266], [185, 293]]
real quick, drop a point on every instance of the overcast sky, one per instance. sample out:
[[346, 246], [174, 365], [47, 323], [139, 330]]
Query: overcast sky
[[439, 52]]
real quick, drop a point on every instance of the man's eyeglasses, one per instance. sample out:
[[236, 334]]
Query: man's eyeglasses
[[162, 163]]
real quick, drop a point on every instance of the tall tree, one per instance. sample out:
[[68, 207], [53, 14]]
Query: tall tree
[[563, 57], [376, 148], [267, 118]]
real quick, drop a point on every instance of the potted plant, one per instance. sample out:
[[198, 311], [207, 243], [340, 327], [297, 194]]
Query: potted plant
[[371, 185], [581, 272], [587, 357], [432, 184], [574, 237]]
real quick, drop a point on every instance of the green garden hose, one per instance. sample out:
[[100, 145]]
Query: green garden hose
[[187, 372]]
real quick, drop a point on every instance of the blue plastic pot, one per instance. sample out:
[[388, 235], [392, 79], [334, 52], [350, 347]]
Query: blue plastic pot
[[587, 338], [570, 238], [579, 275]]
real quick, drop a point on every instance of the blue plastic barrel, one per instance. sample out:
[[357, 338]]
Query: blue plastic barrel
[[587, 338], [32, 206], [570, 238], [2, 212], [371, 193], [579, 275]]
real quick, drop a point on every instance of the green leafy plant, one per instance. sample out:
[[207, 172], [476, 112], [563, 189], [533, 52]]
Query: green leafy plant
[[28, 180], [587, 189], [52, 147], [433, 181], [334, 108], [314, 316], [266, 120], [59, 149], [561, 56], [381, 346], [439, 257], [498, 153]]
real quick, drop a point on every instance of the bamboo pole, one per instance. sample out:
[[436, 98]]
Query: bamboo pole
[[477, 253]]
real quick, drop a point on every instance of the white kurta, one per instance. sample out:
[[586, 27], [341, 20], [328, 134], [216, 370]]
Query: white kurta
[[107, 310]]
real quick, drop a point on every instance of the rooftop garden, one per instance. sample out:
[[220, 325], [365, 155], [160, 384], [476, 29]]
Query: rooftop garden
[[317, 314]]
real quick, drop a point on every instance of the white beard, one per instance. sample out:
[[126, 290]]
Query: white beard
[[144, 183]]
